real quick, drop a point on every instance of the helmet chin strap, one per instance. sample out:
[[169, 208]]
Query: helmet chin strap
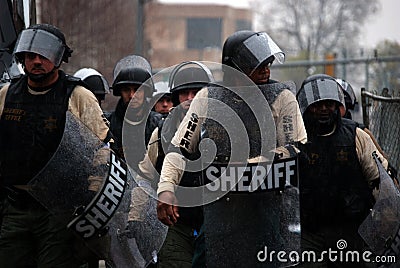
[[39, 77]]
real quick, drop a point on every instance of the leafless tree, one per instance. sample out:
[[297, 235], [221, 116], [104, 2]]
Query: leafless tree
[[314, 26]]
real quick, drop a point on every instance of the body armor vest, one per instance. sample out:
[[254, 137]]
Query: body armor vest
[[137, 145], [219, 135], [332, 187], [31, 128]]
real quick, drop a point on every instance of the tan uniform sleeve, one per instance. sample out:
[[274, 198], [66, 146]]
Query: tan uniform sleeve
[[187, 138], [84, 105], [288, 119], [365, 147], [139, 204], [139, 197], [3, 93], [147, 165], [101, 157]]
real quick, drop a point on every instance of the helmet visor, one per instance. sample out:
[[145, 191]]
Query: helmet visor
[[254, 51], [318, 90], [42, 43]]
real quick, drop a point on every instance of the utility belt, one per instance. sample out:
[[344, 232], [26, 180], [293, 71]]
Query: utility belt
[[20, 198]]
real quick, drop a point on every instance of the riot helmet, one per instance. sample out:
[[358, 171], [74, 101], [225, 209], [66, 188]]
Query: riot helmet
[[133, 76], [161, 89], [247, 50], [132, 61], [45, 40], [320, 87], [349, 95], [188, 75], [94, 81], [133, 70]]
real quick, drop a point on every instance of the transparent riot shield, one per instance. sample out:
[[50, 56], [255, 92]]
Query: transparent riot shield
[[89, 188], [381, 229], [149, 235], [258, 218]]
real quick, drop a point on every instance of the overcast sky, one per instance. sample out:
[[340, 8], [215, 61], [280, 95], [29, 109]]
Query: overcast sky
[[382, 26]]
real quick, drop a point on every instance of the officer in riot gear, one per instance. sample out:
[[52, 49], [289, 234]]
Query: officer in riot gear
[[185, 80], [253, 53], [134, 85], [349, 96], [337, 170], [246, 59], [32, 119], [161, 100], [95, 82]]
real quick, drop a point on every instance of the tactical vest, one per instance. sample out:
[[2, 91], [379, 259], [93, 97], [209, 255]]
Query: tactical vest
[[333, 189], [31, 128], [138, 146]]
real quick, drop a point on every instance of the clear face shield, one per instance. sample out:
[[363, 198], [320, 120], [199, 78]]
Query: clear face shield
[[318, 90], [42, 43], [254, 51]]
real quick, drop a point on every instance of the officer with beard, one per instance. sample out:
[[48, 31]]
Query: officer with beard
[[33, 115], [337, 171], [134, 85], [252, 54]]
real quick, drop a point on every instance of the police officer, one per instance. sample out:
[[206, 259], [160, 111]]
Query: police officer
[[33, 114], [252, 54], [255, 62], [134, 85], [337, 171], [95, 82], [161, 99], [185, 81]]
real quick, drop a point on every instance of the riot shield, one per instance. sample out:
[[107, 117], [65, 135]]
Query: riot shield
[[149, 235], [258, 218], [89, 188], [381, 229]]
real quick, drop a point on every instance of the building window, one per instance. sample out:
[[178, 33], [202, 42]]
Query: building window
[[204, 32], [243, 25]]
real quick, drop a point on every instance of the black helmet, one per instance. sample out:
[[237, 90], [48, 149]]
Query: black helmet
[[246, 50], [45, 40], [349, 95], [94, 81], [188, 75], [320, 87], [133, 76]]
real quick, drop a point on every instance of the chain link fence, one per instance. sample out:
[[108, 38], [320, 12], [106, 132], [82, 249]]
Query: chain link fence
[[381, 115]]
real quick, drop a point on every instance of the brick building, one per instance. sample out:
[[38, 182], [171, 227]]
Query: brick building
[[103, 31]]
